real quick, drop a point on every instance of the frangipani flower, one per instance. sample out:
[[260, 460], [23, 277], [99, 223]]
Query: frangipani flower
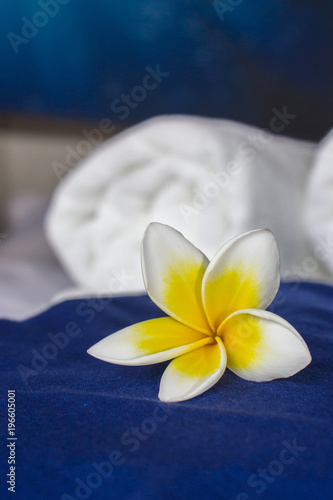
[[216, 315]]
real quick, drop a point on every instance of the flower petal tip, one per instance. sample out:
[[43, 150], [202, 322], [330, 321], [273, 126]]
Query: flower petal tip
[[307, 358], [168, 398], [91, 351], [163, 399]]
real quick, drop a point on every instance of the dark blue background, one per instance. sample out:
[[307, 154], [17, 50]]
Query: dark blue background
[[263, 54], [75, 411]]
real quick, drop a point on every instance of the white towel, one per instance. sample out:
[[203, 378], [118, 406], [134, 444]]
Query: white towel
[[319, 204], [209, 178]]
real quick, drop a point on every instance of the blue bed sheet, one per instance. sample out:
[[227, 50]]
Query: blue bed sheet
[[89, 429]]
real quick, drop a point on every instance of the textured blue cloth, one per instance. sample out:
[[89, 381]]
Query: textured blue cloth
[[89, 429]]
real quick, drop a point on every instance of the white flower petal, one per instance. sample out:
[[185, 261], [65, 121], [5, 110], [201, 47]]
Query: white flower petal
[[262, 346], [148, 342], [193, 373], [244, 274], [173, 270]]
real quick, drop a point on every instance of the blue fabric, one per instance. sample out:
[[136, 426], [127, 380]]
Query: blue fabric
[[76, 412]]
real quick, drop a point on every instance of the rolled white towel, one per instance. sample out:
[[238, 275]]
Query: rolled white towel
[[209, 178], [319, 204]]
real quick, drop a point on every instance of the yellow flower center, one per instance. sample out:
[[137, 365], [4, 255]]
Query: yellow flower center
[[240, 335]]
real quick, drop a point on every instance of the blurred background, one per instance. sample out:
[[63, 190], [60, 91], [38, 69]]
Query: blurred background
[[67, 65], [75, 72]]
